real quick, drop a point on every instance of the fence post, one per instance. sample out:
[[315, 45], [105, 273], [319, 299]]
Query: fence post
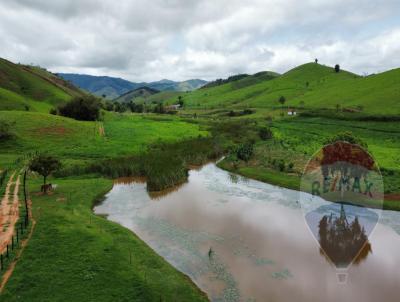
[[12, 242], [1, 260], [17, 236], [7, 252], [22, 228]]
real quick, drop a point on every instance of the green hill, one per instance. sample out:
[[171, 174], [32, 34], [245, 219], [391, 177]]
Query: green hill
[[141, 92], [32, 88], [310, 85]]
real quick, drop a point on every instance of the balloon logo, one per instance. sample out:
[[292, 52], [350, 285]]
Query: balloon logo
[[342, 198]]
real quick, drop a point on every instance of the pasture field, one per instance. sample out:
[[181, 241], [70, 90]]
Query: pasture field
[[118, 135], [297, 139], [76, 255]]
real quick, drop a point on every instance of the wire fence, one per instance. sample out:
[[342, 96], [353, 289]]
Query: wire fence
[[21, 229]]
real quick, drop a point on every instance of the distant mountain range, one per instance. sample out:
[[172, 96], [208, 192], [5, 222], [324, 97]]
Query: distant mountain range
[[112, 88]]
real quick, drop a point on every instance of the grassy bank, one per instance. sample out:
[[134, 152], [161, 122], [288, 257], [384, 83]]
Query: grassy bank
[[163, 164], [281, 160], [75, 255]]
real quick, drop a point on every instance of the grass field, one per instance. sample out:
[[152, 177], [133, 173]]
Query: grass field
[[73, 140], [75, 255]]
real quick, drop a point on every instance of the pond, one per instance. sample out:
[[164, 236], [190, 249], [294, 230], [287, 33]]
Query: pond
[[243, 240]]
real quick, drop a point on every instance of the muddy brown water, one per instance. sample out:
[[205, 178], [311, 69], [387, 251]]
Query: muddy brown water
[[243, 240]]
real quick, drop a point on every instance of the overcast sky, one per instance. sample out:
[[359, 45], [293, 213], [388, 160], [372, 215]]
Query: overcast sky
[[147, 40]]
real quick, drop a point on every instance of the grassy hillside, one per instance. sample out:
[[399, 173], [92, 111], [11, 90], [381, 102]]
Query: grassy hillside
[[310, 85], [149, 98], [141, 92], [31, 88]]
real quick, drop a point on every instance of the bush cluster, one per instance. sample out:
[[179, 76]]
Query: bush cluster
[[85, 108]]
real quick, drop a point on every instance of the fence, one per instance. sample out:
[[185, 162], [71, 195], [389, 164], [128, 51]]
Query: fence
[[21, 228]]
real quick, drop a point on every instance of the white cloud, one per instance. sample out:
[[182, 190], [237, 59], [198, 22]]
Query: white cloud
[[149, 40]]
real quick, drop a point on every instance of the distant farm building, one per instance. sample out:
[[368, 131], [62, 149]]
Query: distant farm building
[[292, 112], [173, 107]]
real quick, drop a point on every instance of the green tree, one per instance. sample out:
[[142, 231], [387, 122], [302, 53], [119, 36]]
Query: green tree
[[5, 130], [85, 108], [180, 101], [45, 165], [282, 100], [337, 68]]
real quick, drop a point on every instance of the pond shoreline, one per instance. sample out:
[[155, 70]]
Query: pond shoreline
[[102, 197], [292, 182]]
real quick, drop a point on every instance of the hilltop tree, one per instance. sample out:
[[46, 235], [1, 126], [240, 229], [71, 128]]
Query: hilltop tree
[[316, 61], [45, 165], [337, 67]]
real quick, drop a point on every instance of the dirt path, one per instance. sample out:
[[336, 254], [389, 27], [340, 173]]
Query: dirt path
[[9, 213], [7, 274]]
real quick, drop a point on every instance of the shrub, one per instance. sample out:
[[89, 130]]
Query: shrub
[[265, 133], [346, 136], [245, 151], [290, 167], [5, 130], [159, 108], [281, 165], [85, 108], [109, 106]]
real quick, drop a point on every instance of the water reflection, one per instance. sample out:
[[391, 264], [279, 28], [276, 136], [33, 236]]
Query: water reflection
[[130, 180], [343, 241], [142, 180]]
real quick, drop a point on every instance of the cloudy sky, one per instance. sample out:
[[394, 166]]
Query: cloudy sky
[[146, 40]]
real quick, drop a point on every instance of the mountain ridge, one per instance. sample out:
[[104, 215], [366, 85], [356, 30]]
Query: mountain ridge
[[114, 87]]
